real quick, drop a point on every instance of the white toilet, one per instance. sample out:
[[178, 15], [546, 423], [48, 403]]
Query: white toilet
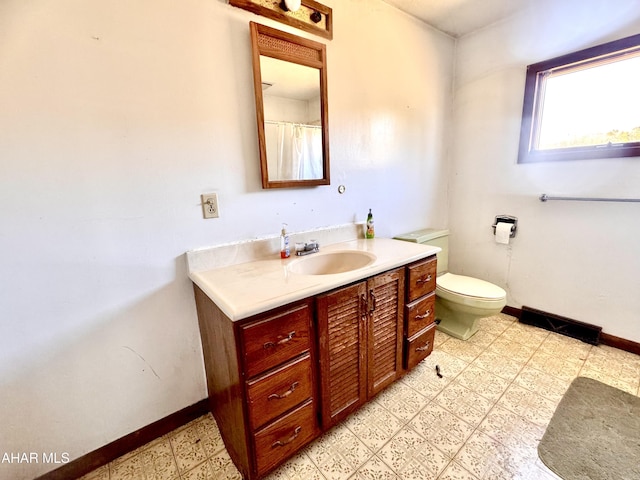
[[460, 301]]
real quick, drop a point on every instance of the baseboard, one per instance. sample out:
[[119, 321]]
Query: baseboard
[[620, 343], [103, 455], [513, 311], [605, 338]]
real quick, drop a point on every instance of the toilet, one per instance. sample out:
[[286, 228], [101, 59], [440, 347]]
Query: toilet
[[460, 301]]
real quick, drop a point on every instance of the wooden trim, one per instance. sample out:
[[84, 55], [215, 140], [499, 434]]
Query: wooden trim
[[103, 455], [620, 343], [273, 43], [605, 338], [531, 114], [300, 19], [513, 311]]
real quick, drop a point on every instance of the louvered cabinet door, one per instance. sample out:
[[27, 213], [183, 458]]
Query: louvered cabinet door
[[342, 318], [385, 294]]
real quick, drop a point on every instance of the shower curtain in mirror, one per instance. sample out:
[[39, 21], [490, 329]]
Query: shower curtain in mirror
[[294, 151]]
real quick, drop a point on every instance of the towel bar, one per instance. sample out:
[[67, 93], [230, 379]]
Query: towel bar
[[544, 197]]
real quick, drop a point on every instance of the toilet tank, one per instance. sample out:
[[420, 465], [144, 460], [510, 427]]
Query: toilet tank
[[435, 238]]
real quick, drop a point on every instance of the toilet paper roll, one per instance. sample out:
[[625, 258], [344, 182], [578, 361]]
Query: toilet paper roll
[[503, 232]]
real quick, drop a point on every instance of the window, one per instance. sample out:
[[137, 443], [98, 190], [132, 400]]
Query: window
[[583, 105]]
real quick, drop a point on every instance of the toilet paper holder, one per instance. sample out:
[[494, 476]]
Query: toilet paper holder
[[506, 219]]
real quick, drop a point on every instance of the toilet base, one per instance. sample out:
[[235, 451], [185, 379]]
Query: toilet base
[[457, 329], [460, 321]]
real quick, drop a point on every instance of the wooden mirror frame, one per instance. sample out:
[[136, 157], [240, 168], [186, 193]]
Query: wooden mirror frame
[[290, 48]]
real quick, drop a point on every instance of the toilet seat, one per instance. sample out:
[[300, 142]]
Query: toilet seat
[[469, 291]]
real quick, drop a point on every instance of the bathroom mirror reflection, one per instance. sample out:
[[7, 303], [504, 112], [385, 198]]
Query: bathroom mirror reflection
[[291, 108]]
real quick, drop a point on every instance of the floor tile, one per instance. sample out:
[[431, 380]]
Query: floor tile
[[411, 456], [374, 425], [375, 469], [187, 448], [528, 405], [502, 366], [542, 383], [456, 472], [562, 345], [338, 453], [222, 466], [510, 348], [448, 365], [426, 381], [561, 366], [464, 403], [442, 428], [525, 334], [481, 419], [461, 349], [299, 467], [510, 429], [484, 383], [402, 400], [483, 457]]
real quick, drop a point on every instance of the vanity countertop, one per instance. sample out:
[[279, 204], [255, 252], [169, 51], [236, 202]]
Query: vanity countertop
[[246, 289]]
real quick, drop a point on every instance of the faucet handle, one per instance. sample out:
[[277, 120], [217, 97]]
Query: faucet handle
[[311, 245]]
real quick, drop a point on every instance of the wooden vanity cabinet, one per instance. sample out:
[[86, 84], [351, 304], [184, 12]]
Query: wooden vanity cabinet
[[419, 328], [359, 342], [277, 380], [261, 382]]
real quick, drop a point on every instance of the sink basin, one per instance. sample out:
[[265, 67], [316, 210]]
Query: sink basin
[[331, 262]]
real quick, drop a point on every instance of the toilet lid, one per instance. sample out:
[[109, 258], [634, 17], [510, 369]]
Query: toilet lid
[[469, 286]]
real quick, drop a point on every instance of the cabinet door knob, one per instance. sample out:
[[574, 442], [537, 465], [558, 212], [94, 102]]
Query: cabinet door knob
[[282, 341], [275, 396], [282, 443], [423, 316], [373, 301], [424, 347]]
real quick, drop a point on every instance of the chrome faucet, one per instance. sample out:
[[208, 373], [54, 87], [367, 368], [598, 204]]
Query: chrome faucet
[[308, 248]]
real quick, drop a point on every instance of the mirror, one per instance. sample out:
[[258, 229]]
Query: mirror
[[290, 84]]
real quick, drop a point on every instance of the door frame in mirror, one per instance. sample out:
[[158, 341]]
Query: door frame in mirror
[[274, 43]]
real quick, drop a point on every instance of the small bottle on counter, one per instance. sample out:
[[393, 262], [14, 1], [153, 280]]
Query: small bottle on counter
[[284, 242], [370, 233]]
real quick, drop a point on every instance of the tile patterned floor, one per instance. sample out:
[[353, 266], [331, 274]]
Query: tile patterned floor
[[482, 420]]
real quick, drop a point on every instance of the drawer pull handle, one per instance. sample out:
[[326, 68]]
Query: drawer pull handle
[[284, 340], [424, 280], [373, 301], [423, 316], [275, 396], [424, 348], [282, 443]]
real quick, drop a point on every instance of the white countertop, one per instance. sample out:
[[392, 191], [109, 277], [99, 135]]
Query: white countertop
[[246, 289]]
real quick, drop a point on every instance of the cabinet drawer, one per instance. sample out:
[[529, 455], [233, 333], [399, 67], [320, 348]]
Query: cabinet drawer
[[276, 339], [420, 314], [279, 390], [422, 278], [419, 346], [285, 436]]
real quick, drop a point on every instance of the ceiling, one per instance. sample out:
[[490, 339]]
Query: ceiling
[[460, 17]]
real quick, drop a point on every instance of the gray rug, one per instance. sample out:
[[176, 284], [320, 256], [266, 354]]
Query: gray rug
[[594, 434]]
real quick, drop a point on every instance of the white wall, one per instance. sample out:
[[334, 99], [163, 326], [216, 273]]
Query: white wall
[[575, 259], [114, 118]]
